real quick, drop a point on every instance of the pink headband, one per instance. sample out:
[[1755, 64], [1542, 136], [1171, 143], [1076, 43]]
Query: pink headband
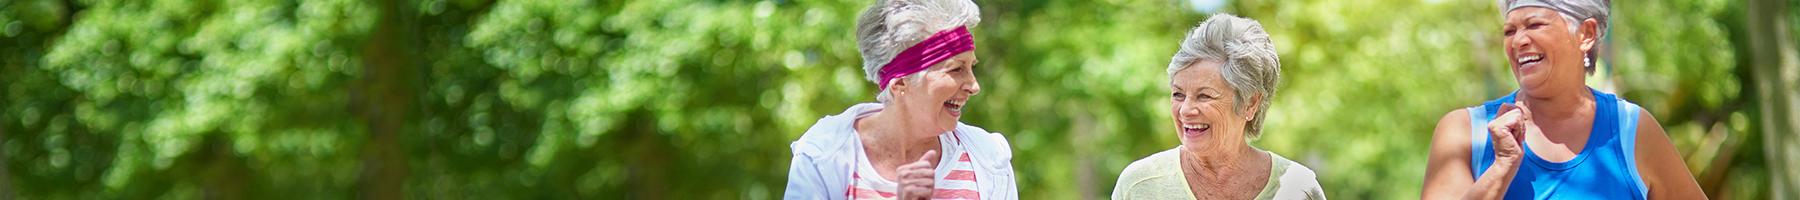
[[937, 48]]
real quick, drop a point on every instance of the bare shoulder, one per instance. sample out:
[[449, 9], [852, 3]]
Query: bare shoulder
[[1663, 171], [1452, 129], [1652, 141], [1447, 167], [1450, 141], [1647, 124]]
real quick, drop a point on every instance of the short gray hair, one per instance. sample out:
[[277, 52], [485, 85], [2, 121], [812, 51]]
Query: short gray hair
[[891, 26], [1573, 11], [1251, 67]]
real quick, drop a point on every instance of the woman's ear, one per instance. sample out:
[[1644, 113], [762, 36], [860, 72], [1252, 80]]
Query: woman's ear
[[1250, 109], [897, 86], [1589, 33]]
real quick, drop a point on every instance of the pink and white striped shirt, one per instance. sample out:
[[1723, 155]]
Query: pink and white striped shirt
[[955, 177]]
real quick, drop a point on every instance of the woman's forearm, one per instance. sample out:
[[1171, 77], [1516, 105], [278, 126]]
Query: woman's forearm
[[1493, 183]]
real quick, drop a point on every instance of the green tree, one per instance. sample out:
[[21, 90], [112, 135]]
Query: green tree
[[186, 99], [699, 99], [1774, 61]]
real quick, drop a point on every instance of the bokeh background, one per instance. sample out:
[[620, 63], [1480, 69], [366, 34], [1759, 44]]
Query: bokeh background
[[699, 99]]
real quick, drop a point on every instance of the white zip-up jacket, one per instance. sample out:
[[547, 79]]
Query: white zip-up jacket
[[825, 157]]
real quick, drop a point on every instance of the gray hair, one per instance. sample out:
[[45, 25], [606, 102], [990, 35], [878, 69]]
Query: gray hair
[[1251, 67], [891, 26], [1573, 11]]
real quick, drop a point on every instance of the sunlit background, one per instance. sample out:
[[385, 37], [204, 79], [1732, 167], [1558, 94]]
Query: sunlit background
[[699, 99]]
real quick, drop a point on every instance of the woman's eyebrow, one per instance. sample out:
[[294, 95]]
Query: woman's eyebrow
[[1534, 15]]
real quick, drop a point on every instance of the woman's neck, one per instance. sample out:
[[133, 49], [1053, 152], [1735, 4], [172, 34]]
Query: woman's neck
[[891, 138], [1566, 106], [1237, 160]]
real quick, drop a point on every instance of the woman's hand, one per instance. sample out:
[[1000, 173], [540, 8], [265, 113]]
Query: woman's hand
[[1508, 132], [1449, 175], [917, 179]]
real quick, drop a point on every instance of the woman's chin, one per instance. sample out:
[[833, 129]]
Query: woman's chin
[[1531, 81], [1192, 142], [1532, 87], [946, 126], [1192, 146]]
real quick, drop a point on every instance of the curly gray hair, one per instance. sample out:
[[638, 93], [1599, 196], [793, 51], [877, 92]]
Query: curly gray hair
[[1251, 67], [891, 26]]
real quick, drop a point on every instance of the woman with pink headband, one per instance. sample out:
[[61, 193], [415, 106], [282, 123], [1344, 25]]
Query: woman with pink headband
[[908, 145]]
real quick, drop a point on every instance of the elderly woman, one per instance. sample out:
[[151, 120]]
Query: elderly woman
[[1221, 81], [1554, 138], [921, 55]]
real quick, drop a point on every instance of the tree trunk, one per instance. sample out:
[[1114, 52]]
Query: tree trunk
[[1776, 67], [384, 99]]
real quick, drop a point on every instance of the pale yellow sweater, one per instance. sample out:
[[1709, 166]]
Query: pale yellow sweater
[[1159, 177]]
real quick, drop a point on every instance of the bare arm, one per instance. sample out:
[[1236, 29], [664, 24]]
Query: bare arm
[[1447, 172], [1660, 165]]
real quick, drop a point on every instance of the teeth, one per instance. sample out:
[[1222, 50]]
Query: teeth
[[955, 105], [1529, 58], [1201, 126]]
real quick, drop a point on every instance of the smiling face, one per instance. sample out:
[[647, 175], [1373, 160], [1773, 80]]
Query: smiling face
[[1202, 104], [942, 91], [1543, 52]]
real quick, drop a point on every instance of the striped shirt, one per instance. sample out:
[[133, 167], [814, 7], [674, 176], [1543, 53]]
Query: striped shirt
[[955, 177]]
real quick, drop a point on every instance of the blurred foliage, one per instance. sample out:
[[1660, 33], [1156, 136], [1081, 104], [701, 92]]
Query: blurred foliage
[[698, 99], [179, 98]]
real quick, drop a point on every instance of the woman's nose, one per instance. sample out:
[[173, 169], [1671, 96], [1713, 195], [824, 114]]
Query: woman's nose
[[1519, 40], [974, 87], [1189, 109]]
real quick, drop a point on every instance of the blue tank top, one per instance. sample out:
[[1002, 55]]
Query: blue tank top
[[1605, 168]]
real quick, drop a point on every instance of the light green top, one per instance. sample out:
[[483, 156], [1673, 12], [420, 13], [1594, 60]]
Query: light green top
[[1159, 177]]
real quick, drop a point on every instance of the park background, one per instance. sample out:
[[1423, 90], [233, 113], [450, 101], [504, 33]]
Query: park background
[[699, 99]]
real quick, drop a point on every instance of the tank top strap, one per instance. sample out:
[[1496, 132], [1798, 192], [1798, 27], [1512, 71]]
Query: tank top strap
[[1619, 124], [1481, 153], [1627, 126]]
